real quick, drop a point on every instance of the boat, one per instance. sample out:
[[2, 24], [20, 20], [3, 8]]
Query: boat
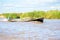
[[26, 20], [38, 19]]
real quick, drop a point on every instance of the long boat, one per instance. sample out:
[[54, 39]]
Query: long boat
[[38, 20], [27, 20]]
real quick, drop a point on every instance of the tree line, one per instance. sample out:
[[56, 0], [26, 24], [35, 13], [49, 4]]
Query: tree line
[[51, 14]]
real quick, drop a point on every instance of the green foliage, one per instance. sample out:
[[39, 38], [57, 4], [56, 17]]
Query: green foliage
[[51, 14], [12, 15]]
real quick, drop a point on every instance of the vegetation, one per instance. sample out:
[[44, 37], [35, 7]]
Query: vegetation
[[51, 14]]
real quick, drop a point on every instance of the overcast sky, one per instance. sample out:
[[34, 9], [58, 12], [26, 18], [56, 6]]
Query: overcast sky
[[28, 5]]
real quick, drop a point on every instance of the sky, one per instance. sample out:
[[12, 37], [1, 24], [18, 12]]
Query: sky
[[28, 5]]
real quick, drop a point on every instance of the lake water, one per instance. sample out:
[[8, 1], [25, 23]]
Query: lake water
[[49, 30]]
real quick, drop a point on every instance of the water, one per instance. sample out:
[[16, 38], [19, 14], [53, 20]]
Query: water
[[49, 30]]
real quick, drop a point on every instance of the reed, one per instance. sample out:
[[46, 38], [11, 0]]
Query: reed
[[51, 14]]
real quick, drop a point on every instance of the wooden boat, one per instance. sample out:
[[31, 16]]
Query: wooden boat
[[38, 20], [26, 20]]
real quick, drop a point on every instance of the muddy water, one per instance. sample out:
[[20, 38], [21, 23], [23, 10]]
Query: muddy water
[[49, 30]]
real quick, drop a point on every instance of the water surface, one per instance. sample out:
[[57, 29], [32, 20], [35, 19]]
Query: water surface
[[49, 30]]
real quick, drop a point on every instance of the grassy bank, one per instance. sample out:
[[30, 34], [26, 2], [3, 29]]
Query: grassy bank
[[51, 14]]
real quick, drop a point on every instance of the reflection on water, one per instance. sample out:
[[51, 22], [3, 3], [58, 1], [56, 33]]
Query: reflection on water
[[49, 30]]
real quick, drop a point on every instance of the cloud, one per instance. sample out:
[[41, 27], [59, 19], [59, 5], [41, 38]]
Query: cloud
[[16, 9], [28, 5], [55, 7], [27, 2], [39, 1], [0, 4]]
